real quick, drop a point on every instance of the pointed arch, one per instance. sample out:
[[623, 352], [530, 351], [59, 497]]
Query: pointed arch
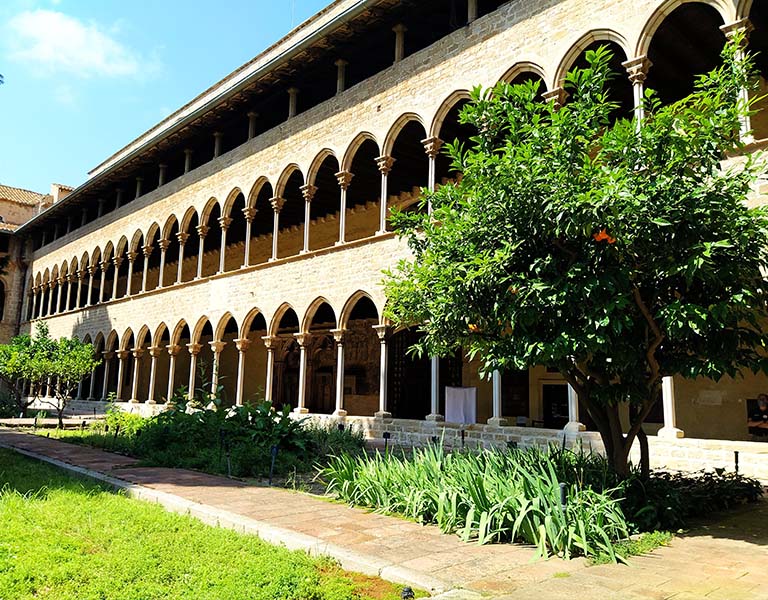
[[317, 163], [198, 329], [98, 341], [178, 330], [256, 190], [397, 127], [121, 246], [109, 251], [95, 257], [153, 230], [221, 327], [189, 215], [126, 338], [350, 304], [208, 209], [113, 341], [137, 241], [230, 202], [312, 311], [278, 316], [143, 337], [445, 107], [354, 145], [168, 226], [161, 329], [524, 66], [581, 44], [248, 321], [282, 181]]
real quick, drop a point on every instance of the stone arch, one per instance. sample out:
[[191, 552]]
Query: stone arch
[[198, 329], [445, 107], [168, 226], [178, 330], [587, 39], [317, 162], [137, 241], [725, 8], [126, 338], [109, 251], [98, 341], [354, 145], [47, 275], [312, 310], [84, 261], [350, 304], [249, 320], [143, 337], [256, 190], [222, 325], [282, 181], [95, 257], [743, 8], [278, 316], [230, 202], [524, 66], [397, 127], [160, 330], [208, 209], [122, 246], [189, 215], [112, 341]]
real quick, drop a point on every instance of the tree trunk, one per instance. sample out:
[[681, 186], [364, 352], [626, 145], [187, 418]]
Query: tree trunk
[[645, 457]]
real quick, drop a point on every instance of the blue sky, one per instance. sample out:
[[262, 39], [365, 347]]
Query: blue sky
[[85, 77]]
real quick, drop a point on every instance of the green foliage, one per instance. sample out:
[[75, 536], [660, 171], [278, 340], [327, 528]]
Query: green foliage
[[109, 546], [617, 252], [642, 544]]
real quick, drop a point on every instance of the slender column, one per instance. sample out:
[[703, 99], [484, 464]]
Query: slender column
[[224, 223], [51, 286], [637, 68], [471, 11], [496, 419], [202, 231], [741, 27], [173, 351], [399, 30], [432, 147], [384, 163], [129, 285], [381, 331], [338, 336], [117, 261], [344, 178], [249, 213], [102, 282], [35, 295], [121, 355], [139, 180], [573, 425], [80, 279], [302, 339], [63, 293], [92, 390], [269, 343], [108, 356], [308, 191], [118, 198], [182, 237], [100, 208], [69, 218], [187, 160], [252, 116], [162, 169], [218, 136], [80, 390], [435, 415], [137, 354], [83, 217], [277, 206], [293, 101], [147, 253], [341, 74], [670, 429], [217, 347], [194, 350], [164, 244], [71, 280], [154, 353], [242, 345]]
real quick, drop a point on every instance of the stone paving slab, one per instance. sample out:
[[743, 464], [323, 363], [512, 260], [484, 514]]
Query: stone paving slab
[[727, 560]]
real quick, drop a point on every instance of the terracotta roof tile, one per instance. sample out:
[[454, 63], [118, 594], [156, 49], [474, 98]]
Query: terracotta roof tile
[[20, 196]]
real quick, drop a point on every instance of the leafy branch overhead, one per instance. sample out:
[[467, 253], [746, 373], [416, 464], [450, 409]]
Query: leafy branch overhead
[[615, 251]]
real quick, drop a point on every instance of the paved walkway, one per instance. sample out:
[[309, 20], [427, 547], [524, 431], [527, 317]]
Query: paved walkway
[[728, 561]]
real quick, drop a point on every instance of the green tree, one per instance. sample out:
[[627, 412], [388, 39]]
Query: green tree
[[615, 252], [45, 363]]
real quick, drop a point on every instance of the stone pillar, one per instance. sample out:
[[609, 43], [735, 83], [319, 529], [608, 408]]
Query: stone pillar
[[218, 136], [162, 169], [341, 75], [164, 244], [147, 250], [250, 214], [182, 236], [118, 198], [637, 68], [344, 178], [104, 264], [557, 96], [69, 219], [73, 282], [154, 353], [741, 27], [496, 419], [92, 389], [432, 147], [399, 30], [68, 295], [173, 351], [188, 160], [471, 11], [79, 293], [338, 336], [293, 101], [302, 339], [670, 429], [121, 355], [35, 295], [79, 391], [62, 285], [108, 356], [202, 231], [194, 350], [83, 217], [139, 180], [252, 124], [217, 348], [384, 163], [381, 331], [137, 354], [277, 206], [308, 192], [242, 345], [99, 208], [117, 261], [434, 414], [224, 223], [129, 284], [269, 343], [573, 425], [51, 285]]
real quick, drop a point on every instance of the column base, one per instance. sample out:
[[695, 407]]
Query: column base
[[303, 252], [498, 421], [380, 232], [301, 410], [271, 259], [435, 417], [151, 401], [340, 413], [382, 414], [340, 243], [134, 401], [670, 433], [574, 427]]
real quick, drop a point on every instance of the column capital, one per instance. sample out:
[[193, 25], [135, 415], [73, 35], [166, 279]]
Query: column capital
[[277, 203], [249, 212], [155, 351], [381, 331], [225, 222], [202, 230], [104, 264], [62, 280], [340, 62], [384, 164], [242, 344], [122, 354], [173, 349], [92, 270], [344, 178], [218, 135], [147, 250], [117, 261], [399, 28], [164, 244], [742, 26], [302, 338], [182, 236], [308, 191], [138, 352], [72, 277], [108, 354], [251, 114], [80, 275], [338, 335], [637, 68], [432, 146], [132, 256], [269, 341], [556, 95], [194, 349], [188, 151], [217, 346]]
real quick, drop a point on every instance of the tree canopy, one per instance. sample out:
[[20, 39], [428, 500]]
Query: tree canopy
[[617, 252]]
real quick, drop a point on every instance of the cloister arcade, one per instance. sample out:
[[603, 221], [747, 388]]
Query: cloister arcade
[[343, 358]]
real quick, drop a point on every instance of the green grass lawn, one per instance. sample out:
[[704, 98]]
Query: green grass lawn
[[63, 538]]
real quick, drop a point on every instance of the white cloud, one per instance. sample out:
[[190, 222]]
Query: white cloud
[[52, 42]]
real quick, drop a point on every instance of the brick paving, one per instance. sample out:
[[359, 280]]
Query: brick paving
[[723, 560]]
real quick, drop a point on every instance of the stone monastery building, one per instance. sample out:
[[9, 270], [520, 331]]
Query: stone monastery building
[[248, 231]]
